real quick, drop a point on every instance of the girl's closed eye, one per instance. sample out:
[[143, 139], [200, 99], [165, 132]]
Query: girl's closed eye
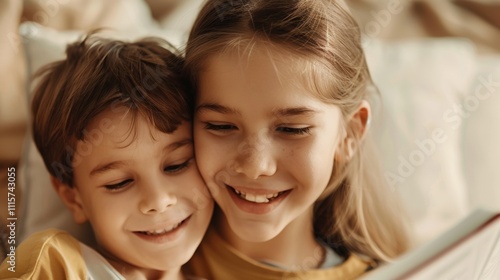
[[294, 130], [220, 127], [118, 186], [177, 168]]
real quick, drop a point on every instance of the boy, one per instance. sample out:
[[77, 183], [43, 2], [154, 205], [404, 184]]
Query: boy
[[112, 123]]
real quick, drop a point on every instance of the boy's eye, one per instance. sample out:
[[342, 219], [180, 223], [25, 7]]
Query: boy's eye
[[118, 186], [295, 131], [220, 127], [177, 167]]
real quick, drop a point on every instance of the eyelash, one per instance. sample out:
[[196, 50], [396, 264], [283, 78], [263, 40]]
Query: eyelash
[[286, 130], [219, 127], [118, 186], [295, 131], [172, 169]]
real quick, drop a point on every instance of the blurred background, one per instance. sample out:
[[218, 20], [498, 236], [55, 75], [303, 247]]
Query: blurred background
[[436, 63]]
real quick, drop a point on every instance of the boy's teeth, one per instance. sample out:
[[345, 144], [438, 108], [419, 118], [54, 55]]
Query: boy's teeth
[[162, 231]]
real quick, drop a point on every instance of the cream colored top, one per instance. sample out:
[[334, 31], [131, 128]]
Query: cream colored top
[[217, 260]]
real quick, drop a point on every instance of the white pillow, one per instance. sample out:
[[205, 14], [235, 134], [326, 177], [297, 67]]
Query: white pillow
[[482, 135], [181, 19], [41, 206], [420, 81]]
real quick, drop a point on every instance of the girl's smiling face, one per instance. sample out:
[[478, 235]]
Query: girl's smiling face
[[265, 145]]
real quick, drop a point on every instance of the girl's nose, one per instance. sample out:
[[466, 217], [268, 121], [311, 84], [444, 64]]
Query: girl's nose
[[255, 161]]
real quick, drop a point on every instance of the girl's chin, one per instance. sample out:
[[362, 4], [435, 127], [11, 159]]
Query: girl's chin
[[254, 232]]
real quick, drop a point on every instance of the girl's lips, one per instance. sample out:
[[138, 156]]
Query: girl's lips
[[165, 235], [254, 191], [266, 197], [257, 203]]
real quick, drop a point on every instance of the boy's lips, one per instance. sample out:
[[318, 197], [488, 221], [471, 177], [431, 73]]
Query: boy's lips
[[163, 229], [163, 233]]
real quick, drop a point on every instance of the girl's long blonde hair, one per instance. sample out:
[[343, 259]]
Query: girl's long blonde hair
[[357, 211]]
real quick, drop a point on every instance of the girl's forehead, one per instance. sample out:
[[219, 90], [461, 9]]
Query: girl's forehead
[[232, 87], [277, 53], [271, 63]]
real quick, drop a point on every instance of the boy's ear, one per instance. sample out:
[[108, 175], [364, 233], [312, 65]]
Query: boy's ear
[[358, 125], [71, 198]]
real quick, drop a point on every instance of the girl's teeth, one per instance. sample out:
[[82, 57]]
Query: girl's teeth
[[272, 195], [261, 199], [256, 198], [250, 197]]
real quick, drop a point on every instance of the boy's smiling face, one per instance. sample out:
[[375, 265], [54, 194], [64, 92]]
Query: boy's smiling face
[[141, 191]]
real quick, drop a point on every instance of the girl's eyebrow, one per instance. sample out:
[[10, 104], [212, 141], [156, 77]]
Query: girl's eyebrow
[[214, 107], [294, 111], [280, 112]]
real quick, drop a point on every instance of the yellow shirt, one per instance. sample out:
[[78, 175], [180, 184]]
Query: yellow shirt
[[50, 254], [217, 260], [55, 254]]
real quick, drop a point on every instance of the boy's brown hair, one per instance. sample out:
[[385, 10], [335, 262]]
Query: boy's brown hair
[[142, 77]]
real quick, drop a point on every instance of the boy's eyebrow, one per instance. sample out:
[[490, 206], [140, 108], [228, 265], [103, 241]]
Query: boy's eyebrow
[[116, 164], [178, 144], [105, 167], [216, 108]]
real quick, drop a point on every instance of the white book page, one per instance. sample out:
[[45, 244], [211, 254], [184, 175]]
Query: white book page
[[492, 267], [477, 257]]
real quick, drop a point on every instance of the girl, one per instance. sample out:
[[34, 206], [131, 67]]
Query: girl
[[280, 118]]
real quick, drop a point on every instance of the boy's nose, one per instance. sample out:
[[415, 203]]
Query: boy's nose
[[156, 198]]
